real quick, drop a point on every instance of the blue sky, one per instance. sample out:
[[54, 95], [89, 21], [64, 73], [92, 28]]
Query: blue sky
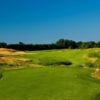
[[45, 21]]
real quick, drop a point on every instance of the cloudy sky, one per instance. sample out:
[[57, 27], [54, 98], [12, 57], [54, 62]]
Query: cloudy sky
[[45, 21]]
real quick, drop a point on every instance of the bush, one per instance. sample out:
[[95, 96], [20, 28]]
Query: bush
[[89, 64], [3, 64]]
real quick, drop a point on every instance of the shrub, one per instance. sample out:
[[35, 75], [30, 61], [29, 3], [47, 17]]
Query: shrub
[[89, 64], [3, 64]]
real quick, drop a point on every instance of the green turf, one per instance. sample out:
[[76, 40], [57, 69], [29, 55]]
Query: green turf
[[51, 82], [48, 57]]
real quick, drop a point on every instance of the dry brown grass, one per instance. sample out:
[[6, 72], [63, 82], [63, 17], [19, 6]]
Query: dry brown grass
[[9, 56], [4, 51], [96, 73], [13, 60], [91, 59]]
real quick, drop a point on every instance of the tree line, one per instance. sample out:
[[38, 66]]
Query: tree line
[[60, 44]]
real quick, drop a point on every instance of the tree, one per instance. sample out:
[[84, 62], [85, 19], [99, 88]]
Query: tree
[[98, 44], [3, 45], [61, 43]]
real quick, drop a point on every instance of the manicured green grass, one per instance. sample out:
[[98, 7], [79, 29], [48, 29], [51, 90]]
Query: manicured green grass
[[48, 84], [47, 57], [53, 81]]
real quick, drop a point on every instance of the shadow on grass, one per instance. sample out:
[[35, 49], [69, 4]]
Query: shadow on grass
[[52, 61], [97, 96], [1, 75]]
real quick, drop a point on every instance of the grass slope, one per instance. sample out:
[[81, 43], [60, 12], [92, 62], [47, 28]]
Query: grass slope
[[52, 81], [49, 56]]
